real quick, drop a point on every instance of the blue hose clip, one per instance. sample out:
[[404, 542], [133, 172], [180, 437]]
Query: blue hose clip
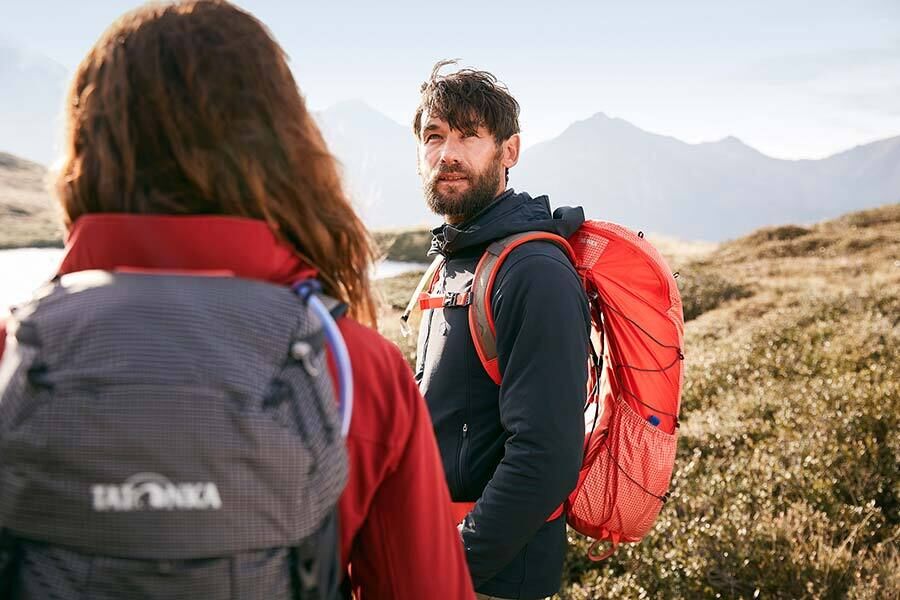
[[307, 291]]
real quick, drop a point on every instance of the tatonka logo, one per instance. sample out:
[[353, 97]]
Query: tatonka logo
[[149, 491]]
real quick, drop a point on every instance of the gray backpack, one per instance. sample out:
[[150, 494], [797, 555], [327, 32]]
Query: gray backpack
[[168, 436]]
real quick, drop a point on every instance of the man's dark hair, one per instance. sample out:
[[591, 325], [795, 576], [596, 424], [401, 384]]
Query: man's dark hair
[[467, 99]]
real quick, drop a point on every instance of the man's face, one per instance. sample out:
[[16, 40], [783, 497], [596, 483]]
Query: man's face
[[461, 174]]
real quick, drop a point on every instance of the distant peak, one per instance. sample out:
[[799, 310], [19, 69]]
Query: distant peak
[[24, 58], [606, 122], [356, 111], [731, 141], [353, 104], [605, 119], [11, 161], [731, 144]]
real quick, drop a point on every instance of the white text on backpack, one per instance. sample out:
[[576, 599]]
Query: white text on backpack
[[150, 491]]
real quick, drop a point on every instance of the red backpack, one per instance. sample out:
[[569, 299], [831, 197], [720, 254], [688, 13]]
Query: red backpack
[[634, 385]]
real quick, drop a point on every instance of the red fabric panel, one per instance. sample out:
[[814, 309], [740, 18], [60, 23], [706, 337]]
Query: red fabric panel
[[245, 247]]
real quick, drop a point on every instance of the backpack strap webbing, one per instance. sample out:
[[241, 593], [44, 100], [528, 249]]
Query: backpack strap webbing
[[423, 288], [481, 316]]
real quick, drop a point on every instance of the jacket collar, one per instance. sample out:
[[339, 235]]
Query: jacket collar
[[509, 213], [234, 246]]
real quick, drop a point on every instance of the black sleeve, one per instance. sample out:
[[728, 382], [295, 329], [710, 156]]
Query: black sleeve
[[541, 316]]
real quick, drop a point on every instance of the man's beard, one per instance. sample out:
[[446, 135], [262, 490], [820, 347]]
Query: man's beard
[[465, 205]]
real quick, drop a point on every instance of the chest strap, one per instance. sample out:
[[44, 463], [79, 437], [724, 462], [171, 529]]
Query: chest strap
[[448, 300]]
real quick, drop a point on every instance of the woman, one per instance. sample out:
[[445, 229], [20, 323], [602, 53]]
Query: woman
[[189, 149]]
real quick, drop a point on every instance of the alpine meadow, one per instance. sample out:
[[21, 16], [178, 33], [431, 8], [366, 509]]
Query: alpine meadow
[[786, 483]]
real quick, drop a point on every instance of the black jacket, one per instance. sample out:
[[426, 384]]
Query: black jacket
[[516, 449]]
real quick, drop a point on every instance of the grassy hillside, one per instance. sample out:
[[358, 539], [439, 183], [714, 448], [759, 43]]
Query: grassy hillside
[[407, 245], [787, 483], [28, 216]]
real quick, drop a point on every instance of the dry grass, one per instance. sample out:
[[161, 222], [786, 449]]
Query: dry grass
[[679, 253], [28, 215], [406, 245]]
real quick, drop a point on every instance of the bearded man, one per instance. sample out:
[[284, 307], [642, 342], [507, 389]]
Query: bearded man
[[511, 452]]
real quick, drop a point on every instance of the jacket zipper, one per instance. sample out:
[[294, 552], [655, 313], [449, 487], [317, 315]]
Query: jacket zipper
[[463, 444], [460, 459]]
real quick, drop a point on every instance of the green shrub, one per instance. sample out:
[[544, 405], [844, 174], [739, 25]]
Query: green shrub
[[703, 289]]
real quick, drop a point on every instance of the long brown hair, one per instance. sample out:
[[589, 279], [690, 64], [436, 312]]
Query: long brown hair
[[190, 108]]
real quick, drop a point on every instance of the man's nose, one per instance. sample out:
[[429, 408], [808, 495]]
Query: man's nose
[[450, 151]]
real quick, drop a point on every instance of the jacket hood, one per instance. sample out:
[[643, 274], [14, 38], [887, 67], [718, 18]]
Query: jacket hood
[[508, 214]]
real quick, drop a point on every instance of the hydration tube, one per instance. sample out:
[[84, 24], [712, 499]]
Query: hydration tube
[[307, 292]]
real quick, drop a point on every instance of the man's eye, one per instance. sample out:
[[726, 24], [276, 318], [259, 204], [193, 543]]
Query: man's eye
[[431, 137]]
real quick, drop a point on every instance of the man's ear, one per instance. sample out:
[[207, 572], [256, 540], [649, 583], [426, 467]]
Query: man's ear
[[510, 148]]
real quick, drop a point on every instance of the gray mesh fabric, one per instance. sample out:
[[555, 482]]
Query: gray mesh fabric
[[163, 418]]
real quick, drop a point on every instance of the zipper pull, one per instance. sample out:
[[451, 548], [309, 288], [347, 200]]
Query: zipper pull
[[465, 429]]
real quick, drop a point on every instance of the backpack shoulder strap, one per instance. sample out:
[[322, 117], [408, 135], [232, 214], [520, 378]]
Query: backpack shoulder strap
[[481, 316]]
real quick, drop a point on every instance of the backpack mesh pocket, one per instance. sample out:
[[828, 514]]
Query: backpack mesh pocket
[[625, 479]]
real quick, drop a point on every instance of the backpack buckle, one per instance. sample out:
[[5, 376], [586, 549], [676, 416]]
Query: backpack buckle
[[457, 299]]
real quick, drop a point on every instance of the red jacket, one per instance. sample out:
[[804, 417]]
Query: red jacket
[[397, 535]]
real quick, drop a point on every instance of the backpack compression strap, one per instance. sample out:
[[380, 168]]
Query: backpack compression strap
[[481, 317]]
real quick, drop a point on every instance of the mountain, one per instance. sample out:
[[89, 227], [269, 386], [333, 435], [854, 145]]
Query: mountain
[[378, 157], [617, 171], [861, 173], [31, 103], [711, 191]]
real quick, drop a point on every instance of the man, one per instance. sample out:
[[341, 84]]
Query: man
[[513, 449]]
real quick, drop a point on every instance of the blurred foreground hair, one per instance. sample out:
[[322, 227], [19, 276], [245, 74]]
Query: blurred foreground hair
[[190, 109]]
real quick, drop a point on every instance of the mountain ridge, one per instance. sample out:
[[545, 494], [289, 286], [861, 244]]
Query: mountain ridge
[[711, 190]]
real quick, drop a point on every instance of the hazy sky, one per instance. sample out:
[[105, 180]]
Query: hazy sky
[[793, 78]]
